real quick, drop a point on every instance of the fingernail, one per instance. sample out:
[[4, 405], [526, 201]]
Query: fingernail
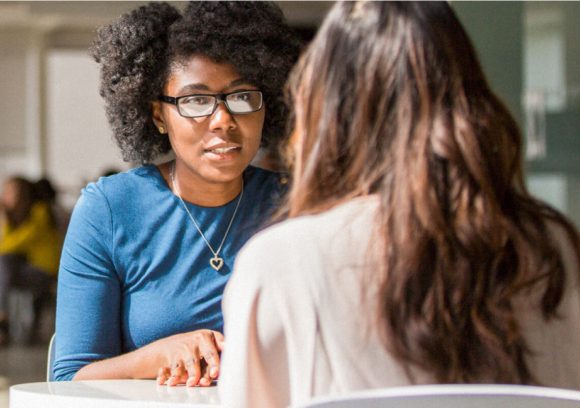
[[190, 382], [204, 381], [213, 372]]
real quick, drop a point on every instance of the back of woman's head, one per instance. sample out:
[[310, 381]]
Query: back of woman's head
[[397, 75], [390, 99], [44, 191], [138, 51]]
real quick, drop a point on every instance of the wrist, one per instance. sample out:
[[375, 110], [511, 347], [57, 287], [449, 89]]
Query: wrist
[[144, 362]]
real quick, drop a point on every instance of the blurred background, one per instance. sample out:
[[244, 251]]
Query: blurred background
[[53, 123]]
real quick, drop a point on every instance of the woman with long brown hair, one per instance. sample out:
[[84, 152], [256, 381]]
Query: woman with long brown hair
[[413, 252]]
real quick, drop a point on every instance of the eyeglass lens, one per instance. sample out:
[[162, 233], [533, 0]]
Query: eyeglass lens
[[238, 102]]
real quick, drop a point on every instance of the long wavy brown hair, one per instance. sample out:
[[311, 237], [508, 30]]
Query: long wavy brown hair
[[390, 100]]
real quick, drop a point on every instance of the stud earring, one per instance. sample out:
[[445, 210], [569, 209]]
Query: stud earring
[[161, 130]]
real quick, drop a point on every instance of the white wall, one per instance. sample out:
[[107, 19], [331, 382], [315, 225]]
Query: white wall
[[52, 117], [78, 137], [13, 141]]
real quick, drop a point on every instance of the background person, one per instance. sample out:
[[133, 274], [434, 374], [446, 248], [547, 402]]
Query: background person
[[413, 253], [45, 191], [149, 251], [30, 245]]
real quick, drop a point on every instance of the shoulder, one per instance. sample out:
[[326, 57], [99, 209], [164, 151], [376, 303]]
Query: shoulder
[[121, 193], [136, 178], [340, 219], [305, 240], [133, 185], [291, 264]]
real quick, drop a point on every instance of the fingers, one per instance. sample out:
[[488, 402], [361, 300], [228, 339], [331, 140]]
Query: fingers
[[209, 351], [178, 374], [219, 340], [205, 380], [194, 358], [163, 375], [192, 365]]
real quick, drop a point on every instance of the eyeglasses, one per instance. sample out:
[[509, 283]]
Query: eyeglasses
[[198, 105]]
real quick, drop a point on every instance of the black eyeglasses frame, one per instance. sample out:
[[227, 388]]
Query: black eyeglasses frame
[[221, 97]]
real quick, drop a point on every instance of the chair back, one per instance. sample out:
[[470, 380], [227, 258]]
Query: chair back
[[50, 359], [454, 396]]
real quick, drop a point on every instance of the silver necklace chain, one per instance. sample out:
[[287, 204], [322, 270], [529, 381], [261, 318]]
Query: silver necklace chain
[[216, 262]]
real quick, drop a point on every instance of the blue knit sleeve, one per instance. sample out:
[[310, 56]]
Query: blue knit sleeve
[[89, 291]]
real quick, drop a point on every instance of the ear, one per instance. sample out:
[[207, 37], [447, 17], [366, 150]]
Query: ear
[[157, 116]]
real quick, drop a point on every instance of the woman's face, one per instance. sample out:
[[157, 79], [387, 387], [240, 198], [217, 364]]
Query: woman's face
[[10, 195], [215, 148]]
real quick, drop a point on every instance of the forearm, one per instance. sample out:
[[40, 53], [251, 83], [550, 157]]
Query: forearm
[[142, 363]]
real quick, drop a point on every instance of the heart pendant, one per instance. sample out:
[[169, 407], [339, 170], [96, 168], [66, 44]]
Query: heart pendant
[[216, 262]]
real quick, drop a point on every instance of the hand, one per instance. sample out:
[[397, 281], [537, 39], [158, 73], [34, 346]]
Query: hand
[[191, 358]]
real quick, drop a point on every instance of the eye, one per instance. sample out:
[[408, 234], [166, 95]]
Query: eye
[[240, 97], [198, 100]]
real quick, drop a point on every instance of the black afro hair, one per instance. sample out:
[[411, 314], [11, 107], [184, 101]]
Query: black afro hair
[[137, 52]]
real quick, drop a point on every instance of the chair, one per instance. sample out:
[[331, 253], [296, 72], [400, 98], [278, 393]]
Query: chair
[[454, 396], [31, 314], [50, 359]]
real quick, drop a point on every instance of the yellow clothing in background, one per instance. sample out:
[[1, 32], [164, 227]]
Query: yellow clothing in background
[[36, 238]]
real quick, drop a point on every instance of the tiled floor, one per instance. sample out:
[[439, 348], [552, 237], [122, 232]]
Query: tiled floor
[[21, 365]]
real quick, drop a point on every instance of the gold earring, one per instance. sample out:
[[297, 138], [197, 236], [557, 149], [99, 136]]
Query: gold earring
[[161, 130]]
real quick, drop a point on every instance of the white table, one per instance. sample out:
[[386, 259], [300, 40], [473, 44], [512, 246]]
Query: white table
[[110, 394]]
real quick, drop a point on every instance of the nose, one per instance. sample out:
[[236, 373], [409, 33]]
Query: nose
[[222, 119]]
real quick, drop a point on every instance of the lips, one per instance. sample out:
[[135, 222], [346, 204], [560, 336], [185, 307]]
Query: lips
[[222, 150]]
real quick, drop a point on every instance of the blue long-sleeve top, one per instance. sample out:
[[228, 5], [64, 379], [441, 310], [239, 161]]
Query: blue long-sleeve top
[[135, 269]]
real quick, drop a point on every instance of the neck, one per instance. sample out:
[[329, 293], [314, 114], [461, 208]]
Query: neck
[[192, 188]]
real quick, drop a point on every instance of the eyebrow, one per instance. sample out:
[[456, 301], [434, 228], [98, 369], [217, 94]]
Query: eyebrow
[[203, 87]]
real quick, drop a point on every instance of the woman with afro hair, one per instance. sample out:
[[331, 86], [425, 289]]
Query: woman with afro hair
[[149, 251]]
